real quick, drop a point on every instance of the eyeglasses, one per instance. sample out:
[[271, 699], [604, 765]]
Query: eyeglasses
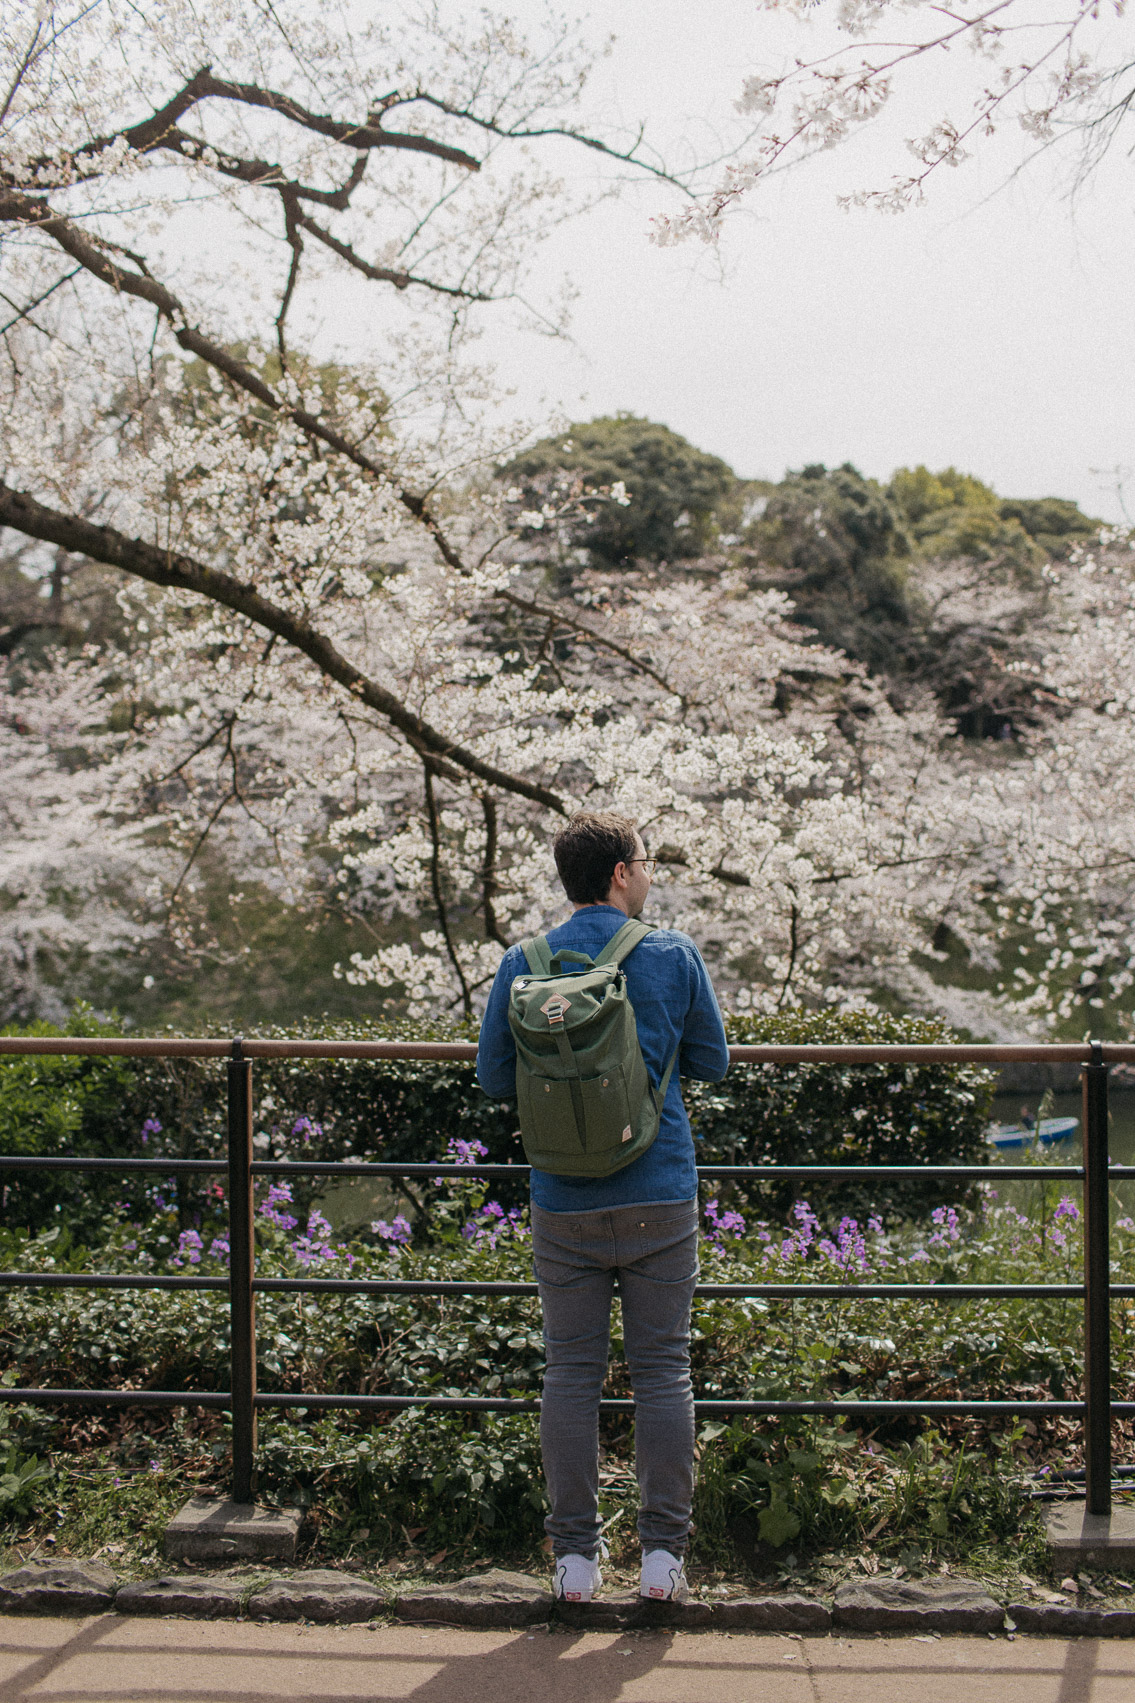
[[650, 864]]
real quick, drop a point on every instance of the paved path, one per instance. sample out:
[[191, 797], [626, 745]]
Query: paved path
[[118, 1659]]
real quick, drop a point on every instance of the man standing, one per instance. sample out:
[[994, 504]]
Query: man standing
[[636, 1229]]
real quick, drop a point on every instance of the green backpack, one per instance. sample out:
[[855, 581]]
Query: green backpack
[[586, 1104]]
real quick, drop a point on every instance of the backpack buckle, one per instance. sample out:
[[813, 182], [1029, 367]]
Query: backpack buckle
[[555, 1007]]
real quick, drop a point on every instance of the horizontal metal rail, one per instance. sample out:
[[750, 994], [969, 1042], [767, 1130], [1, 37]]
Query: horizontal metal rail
[[1097, 1410], [928, 1291], [465, 1052], [116, 1398], [520, 1173], [81, 1162], [223, 1400], [704, 1291], [105, 1280]]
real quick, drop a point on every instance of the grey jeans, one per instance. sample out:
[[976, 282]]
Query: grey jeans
[[651, 1254]]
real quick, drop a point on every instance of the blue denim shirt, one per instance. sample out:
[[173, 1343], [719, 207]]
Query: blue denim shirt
[[674, 1006]]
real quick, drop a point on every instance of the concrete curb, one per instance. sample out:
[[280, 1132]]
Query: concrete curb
[[498, 1599], [917, 1605]]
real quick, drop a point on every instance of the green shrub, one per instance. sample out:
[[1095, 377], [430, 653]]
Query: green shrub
[[808, 1485], [61, 1104], [443, 1477], [843, 1114], [334, 1109]]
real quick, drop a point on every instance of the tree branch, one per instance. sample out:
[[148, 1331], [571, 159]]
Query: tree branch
[[295, 243], [160, 130], [557, 618], [169, 568], [382, 274], [490, 886], [435, 886], [25, 312], [794, 947], [518, 134], [96, 257]]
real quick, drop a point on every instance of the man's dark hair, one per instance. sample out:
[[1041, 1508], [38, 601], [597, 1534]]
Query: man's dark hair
[[586, 850]]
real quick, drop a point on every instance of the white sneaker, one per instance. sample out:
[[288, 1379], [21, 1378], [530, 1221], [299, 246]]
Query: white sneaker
[[663, 1577], [577, 1578]]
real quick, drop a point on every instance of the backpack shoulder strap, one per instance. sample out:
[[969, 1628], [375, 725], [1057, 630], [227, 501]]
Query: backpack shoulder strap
[[538, 955], [624, 941], [660, 1092]]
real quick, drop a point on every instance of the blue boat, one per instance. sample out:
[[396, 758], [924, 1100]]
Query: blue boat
[[1051, 1131]]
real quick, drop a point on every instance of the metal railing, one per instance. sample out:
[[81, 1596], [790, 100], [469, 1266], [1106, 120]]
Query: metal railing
[[1097, 1409]]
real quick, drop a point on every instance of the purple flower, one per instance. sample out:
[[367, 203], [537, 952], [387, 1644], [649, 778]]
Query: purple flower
[[465, 1152], [849, 1250], [317, 1226], [719, 1224], [149, 1128], [219, 1249], [1067, 1209], [305, 1127], [189, 1245], [398, 1233], [279, 1195], [461, 1153], [806, 1218], [487, 1226], [307, 1252], [949, 1230], [516, 1221]]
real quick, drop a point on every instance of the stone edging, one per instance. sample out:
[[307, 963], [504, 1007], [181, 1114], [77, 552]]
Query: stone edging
[[501, 1599]]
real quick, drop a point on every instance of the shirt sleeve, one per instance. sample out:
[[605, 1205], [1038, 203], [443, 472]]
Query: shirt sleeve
[[704, 1052], [496, 1049]]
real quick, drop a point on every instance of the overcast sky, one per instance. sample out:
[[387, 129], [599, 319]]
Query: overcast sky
[[991, 330]]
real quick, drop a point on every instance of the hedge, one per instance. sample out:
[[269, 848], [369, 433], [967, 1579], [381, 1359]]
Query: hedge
[[391, 1109]]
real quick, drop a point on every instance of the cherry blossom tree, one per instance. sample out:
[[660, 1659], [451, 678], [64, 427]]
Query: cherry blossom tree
[[340, 670], [1048, 71]]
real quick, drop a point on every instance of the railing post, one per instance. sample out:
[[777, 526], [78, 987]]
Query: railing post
[[242, 1302], [1097, 1288]]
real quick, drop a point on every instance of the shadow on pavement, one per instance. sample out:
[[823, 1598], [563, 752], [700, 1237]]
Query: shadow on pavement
[[121, 1659]]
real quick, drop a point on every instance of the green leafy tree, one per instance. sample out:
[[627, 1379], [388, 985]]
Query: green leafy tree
[[675, 490], [833, 541], [952, 514], [1053, 523]]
